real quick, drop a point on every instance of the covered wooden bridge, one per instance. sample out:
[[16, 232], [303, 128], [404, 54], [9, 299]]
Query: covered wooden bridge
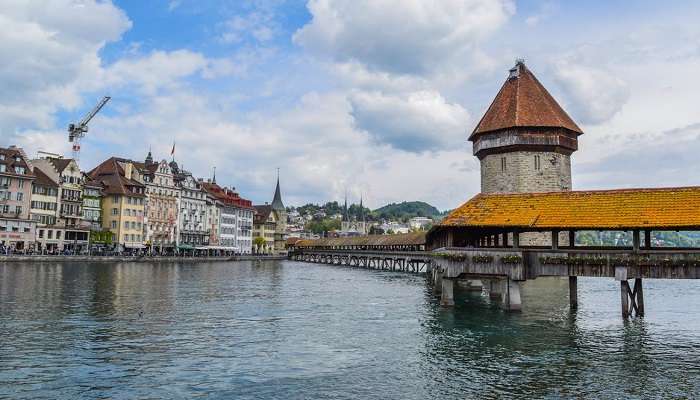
[[524, 236], [401, 252]]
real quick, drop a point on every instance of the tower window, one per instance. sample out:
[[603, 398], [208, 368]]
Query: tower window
[[538, 164], [503, 164]]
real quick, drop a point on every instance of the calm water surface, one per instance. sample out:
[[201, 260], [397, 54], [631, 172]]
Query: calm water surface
[[285, 330]]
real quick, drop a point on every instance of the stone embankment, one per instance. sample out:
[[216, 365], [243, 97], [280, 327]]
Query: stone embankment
[[146, 259]]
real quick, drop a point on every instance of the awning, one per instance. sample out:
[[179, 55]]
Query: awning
[[185, 247], [221, 248], [134, 246]]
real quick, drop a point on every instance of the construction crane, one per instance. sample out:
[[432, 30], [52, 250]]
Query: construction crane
[[77, 131]]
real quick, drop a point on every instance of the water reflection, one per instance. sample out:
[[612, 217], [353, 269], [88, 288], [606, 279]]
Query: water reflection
[[294, 330]]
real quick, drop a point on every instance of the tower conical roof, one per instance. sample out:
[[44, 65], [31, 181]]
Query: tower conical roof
[[523, 102], [277, 200]]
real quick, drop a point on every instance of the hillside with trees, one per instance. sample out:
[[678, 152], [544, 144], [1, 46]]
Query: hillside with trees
[[405, 210]]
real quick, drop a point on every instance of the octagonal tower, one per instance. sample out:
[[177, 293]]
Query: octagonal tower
[[525, 139]]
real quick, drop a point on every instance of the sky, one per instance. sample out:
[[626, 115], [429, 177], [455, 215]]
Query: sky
[[373, 97]]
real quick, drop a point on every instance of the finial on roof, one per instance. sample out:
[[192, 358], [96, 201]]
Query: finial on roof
[[213, 180], [515, 71]]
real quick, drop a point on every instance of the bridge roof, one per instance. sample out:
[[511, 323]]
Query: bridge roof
[[403, 239], [661, 208]]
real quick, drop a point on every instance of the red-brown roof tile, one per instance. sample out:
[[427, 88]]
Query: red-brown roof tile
[[523, 102]]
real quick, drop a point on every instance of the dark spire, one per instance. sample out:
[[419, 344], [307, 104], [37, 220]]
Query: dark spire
[[345, 208], [277, 200], [362, 211], [149, 157]]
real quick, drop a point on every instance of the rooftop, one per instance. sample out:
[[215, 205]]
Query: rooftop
[[623, 209], [405, 239], [523, 102]]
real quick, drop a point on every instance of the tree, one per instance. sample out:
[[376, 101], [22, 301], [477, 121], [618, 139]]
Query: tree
[[258, 242]]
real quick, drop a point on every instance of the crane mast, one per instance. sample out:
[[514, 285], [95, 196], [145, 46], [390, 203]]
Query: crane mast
[[77, 131]]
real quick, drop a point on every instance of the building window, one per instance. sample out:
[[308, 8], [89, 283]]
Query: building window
[[503, 164], [58, 235], [115, 199], [41, 233], [538, 165], [20, 184], [114, 224]]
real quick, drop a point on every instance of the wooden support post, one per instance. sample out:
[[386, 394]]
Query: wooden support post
[[647, 239], [555, 240], [624, 297], [505, 239], [516, 239], [450, 238], [572, 239], [639, 294], [635, 240], [573, 292]]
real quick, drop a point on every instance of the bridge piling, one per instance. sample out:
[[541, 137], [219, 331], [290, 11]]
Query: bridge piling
[[573, 292], [447, 298], [512, 296]]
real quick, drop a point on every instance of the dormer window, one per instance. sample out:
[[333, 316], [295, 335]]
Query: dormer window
[[19, 170]]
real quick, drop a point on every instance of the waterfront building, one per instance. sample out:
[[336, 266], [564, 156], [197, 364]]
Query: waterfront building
[[17, 229], [270, 224], [162, 204], [420, 222], [124, 195], [264, 224], [75, 234], [44, 211], [195, 213], [234, 216], [100, 238]]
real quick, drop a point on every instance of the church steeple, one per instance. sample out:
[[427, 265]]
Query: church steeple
[[362, 211], [149, 158], [345, 208], [277, 200]]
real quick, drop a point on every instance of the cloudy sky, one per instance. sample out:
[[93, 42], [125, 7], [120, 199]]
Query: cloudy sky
[[376, 96]]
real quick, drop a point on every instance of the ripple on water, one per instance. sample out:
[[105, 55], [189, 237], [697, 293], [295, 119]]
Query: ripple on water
[[292, 330]]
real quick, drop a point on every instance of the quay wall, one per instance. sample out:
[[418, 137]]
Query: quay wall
[[112, 259]]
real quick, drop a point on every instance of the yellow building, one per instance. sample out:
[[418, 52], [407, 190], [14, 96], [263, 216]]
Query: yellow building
[[123, 201], [270, 223]]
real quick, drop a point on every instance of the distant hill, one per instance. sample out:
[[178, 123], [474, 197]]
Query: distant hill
[[405, 210]]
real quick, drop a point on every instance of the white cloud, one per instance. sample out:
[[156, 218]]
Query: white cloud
[[400, 36], [420, 121], [595, 95], [48, 55], [258, 25], [156, 70]]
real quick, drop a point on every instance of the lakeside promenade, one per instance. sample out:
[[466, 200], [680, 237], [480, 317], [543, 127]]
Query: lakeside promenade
[[143, 259]]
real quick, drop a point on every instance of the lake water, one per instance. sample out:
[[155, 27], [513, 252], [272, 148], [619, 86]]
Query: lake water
[[287, 330]]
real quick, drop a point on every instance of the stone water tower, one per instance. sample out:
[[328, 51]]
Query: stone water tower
[[525, 139]]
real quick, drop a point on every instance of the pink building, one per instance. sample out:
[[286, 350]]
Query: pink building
[[17, 230]]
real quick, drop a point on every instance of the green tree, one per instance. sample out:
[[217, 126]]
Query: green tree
[[258, 242]]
